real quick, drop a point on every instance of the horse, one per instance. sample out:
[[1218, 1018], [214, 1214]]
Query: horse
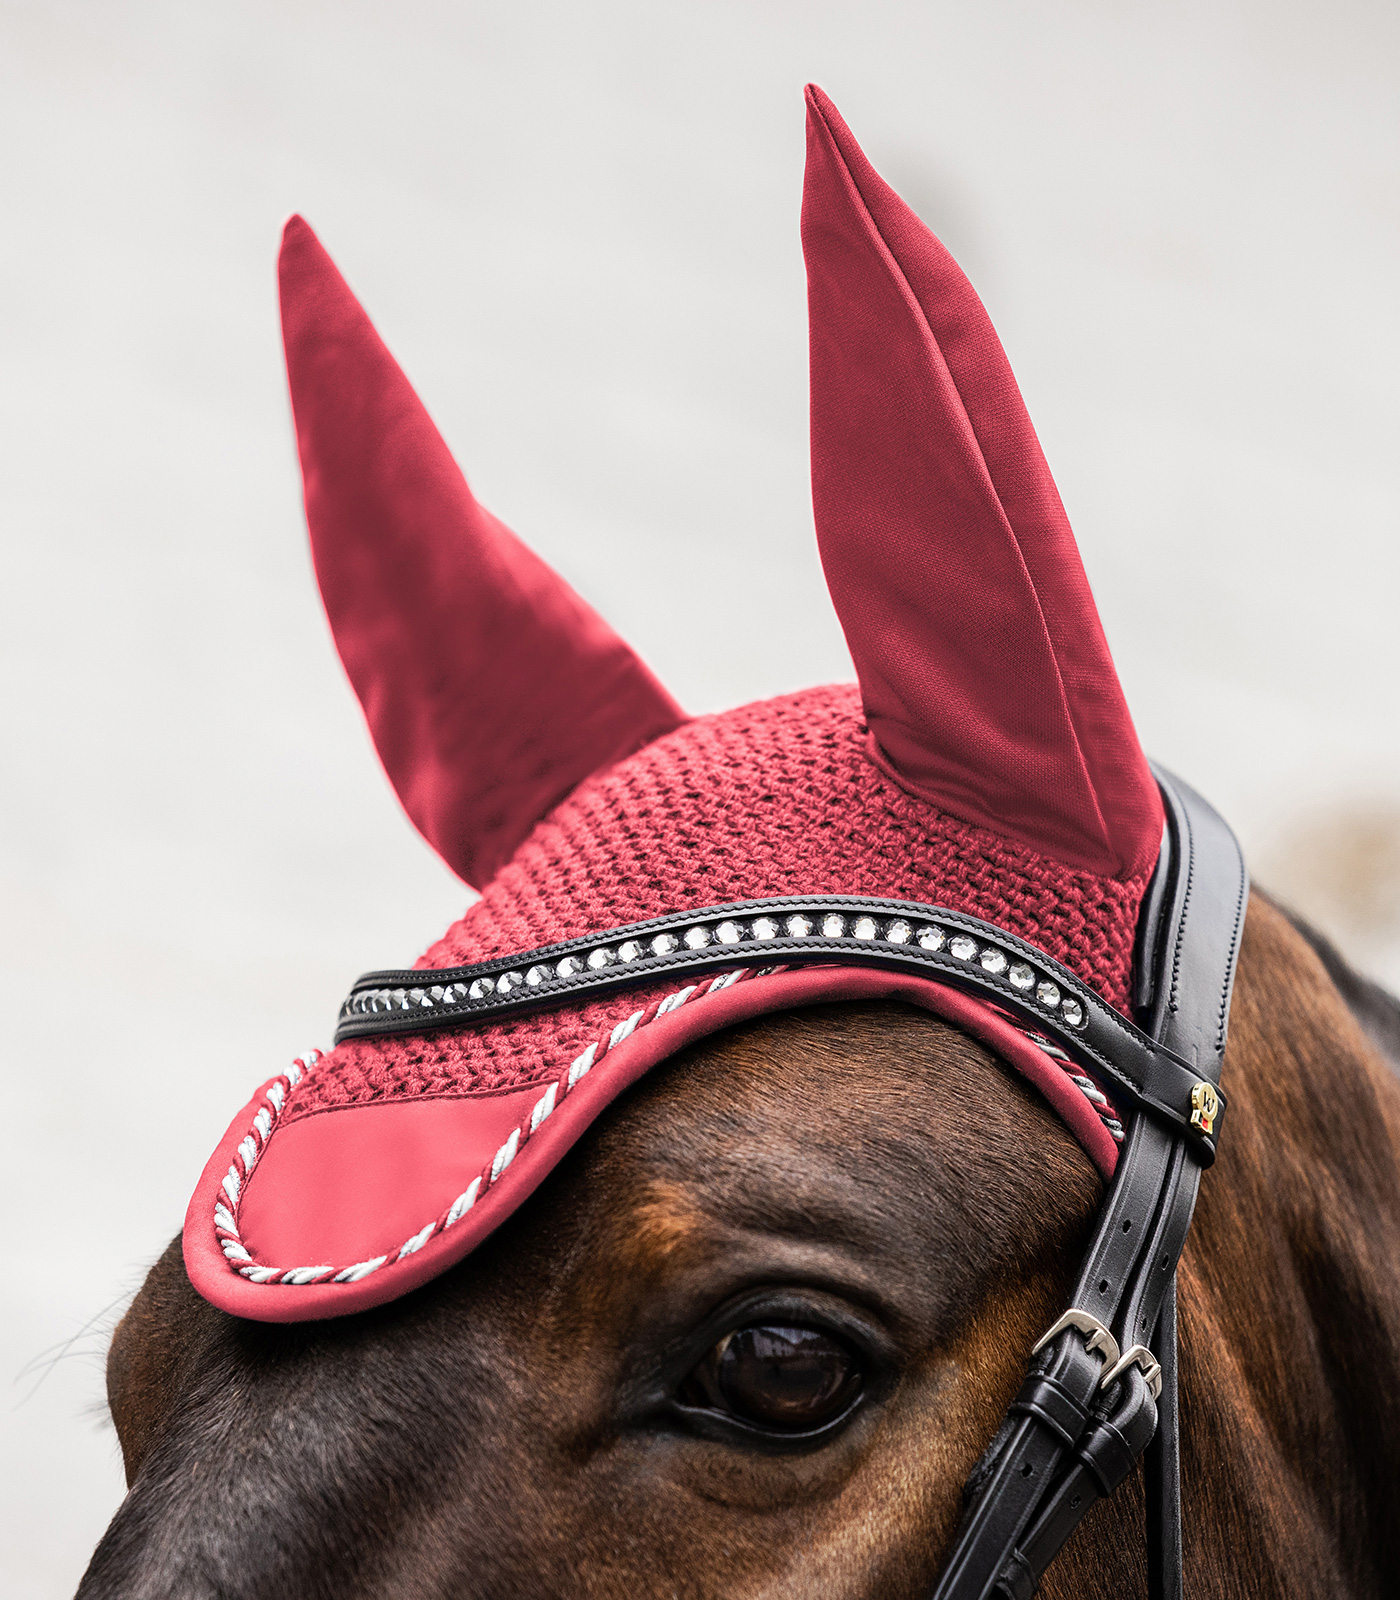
[[749, 1332], [503, 1430]]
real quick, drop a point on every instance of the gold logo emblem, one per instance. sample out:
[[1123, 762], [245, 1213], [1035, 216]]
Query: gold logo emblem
[[1205, 1107]]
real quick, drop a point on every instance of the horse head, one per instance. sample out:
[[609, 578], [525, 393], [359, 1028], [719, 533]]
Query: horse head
[[683, 1222]]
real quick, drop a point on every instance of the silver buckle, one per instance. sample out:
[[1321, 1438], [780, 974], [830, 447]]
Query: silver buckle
[[1098, 1337], [1138, 1356]]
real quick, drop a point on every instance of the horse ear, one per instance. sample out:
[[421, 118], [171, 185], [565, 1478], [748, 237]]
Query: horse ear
[[490, 687], [986, 678]]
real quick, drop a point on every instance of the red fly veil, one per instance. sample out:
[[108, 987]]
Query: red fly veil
[[986, 762]]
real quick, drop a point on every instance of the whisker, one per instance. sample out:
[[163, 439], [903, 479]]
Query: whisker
[[47, 1359]]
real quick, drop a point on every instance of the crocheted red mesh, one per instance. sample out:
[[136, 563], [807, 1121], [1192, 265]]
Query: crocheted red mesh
[[776, 798]]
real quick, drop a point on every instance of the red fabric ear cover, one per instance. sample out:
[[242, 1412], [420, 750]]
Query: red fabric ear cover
[[987, 682], [490, 687]]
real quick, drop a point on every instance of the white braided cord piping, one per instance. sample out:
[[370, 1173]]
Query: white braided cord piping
[[265, 1120]]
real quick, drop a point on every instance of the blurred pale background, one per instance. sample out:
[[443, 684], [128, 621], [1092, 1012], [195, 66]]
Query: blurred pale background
[[577, 228]]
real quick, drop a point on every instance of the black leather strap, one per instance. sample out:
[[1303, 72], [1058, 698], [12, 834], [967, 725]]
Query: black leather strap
[[1009, 1505], [1028, 1456], [1163, 1468], [1207, 920], [1103, 1458], [1041, 1475]]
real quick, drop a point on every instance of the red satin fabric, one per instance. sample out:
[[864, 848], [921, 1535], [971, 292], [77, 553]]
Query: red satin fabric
[[986, 677], [1010, 782], [490, 687], [347, 1184]]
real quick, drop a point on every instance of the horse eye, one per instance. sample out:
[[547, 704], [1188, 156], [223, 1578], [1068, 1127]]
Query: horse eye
[[785, 1379]]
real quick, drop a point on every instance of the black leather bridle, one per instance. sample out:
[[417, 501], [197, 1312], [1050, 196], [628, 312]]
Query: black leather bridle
[[1100, 1389]]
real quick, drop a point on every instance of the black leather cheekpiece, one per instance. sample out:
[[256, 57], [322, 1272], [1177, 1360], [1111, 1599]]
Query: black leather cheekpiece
[[1101, 1387]]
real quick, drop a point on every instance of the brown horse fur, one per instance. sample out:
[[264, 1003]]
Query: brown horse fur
[[504, 1431]]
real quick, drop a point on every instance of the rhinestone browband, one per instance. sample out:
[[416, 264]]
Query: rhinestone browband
[[847, 930]]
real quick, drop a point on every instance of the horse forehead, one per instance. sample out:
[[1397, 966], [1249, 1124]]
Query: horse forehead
[[791, 1084], [838, 1124]]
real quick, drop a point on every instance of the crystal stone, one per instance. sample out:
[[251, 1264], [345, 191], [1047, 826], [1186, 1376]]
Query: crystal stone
[[630, 950], [437, 992], [481, 987], [899, 932], [459, 993], [963, 947], [1072, 1012], [833, 926], [1021, 976], [865, 928], [568, 967], [508, 981], [599, 957], [1048, 993], [994, 962], [697, 938], [729, 933], [765, 928], [930, 938], [420, 997], [664, 943], [536, 976], [799, 927]]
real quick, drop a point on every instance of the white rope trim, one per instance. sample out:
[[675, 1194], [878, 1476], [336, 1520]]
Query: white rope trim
[[543, 1106], [305, 1274], [1103, 1106], [505, 1155], [462, 1204], [417, 1242], [363, 1270]]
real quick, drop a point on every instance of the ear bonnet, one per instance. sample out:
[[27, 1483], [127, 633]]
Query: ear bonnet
[[972, 829]]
